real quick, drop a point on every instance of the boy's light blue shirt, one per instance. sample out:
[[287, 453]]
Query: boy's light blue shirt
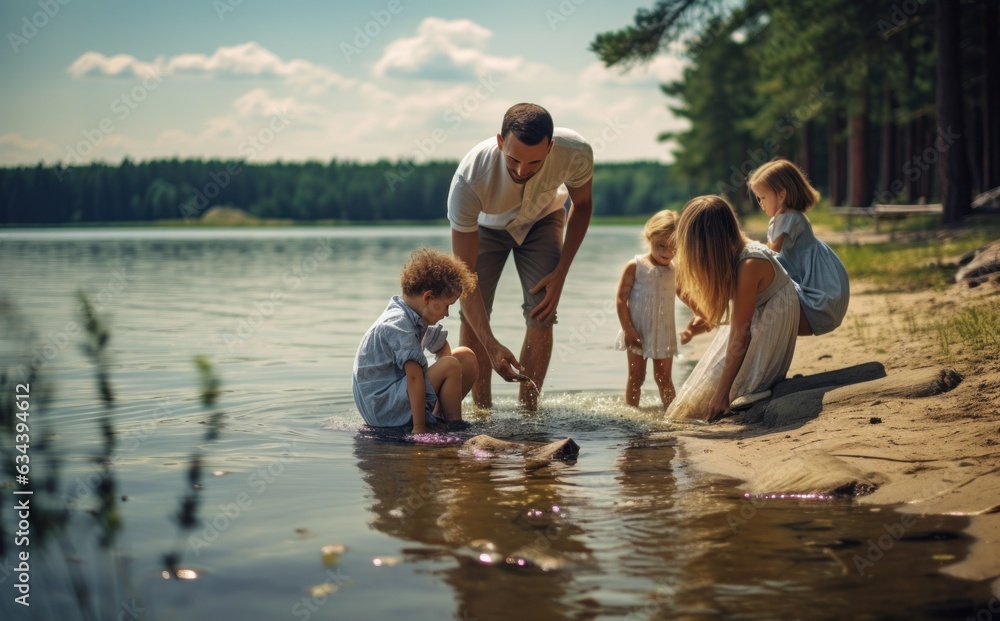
[[379, 378]]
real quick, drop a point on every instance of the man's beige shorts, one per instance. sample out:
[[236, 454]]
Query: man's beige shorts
[[538, 256]]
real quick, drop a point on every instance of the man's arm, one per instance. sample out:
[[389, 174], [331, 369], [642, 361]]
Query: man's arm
[[466, 247], [576, 228]]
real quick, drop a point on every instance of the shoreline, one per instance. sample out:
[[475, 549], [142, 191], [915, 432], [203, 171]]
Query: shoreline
[[280, 224], [873, 411]]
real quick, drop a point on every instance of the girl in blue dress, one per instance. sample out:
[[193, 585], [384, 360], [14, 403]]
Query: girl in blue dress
[[820, 278]]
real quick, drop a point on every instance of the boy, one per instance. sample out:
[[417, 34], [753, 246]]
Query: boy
[[392, 382]]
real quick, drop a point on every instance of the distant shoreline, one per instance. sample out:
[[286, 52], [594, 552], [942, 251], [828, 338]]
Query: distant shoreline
[[282, 223]]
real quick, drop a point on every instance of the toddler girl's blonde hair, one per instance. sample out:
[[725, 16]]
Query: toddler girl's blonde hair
[[780, 174], [662, 223], [709, 242]]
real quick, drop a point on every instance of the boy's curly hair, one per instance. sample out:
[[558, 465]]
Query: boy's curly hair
[[441, 273]]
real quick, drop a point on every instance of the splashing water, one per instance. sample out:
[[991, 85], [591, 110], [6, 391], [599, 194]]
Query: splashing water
[[524, 379]]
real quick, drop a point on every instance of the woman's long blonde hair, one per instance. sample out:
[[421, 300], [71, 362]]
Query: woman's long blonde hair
[[709, 242]]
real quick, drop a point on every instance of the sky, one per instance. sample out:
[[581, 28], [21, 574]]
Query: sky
[[99, 80]]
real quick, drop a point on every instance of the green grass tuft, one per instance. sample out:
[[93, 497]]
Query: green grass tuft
[[976, 327]]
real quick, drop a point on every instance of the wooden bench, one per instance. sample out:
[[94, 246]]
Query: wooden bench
[[891, 212]]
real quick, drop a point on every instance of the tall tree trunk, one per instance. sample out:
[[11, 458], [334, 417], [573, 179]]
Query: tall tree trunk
[[804, 156], [991, 95], [836, 150], [739, 192], [926, 177], [857, 184], [898, 178], [888, 166], [954, 168], [912, 139], [975, 149]]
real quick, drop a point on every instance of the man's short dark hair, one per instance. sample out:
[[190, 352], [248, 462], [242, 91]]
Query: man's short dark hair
[[529, 123]]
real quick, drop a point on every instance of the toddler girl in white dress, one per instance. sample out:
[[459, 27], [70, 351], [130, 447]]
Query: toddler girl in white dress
[[645, 305]]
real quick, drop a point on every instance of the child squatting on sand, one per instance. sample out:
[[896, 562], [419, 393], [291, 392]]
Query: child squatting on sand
[[820, 278], [393, 384], [645, 303]]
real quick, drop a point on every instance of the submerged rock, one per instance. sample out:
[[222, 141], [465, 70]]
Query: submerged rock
[[536, 454]]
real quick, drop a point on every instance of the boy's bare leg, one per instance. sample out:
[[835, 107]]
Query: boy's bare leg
[[636, 377], [661, 373], [535, 356], [469, 362], [482, 391], [445, 376]]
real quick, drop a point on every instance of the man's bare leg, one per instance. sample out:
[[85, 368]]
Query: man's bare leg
[[482, 392], [535, 356]]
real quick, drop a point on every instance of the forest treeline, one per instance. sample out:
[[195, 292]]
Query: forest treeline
[[880, 101], [343, 191]]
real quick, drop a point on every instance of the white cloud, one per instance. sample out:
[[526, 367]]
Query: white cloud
[[431, 95], [16, 150], [92, 64], [278, 123], [446, 50], [244, 60], [260, 104]]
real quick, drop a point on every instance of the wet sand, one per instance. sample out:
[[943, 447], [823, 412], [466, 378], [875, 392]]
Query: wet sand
[[878, 410]]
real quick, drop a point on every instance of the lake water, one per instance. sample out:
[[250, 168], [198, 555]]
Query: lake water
[[626, 531]]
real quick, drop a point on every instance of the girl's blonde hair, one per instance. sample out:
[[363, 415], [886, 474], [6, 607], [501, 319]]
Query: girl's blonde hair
[[709, 242], [780, 174], [662, 223]]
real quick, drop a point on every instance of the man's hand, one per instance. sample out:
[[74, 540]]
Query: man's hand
[[504, 362], [553, 285]]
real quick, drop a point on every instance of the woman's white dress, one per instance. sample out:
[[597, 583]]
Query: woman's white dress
[[773, 331]]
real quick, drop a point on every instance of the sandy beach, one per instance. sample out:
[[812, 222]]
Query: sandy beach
[[880, 409]]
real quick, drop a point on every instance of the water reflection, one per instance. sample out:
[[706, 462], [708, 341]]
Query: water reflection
[[504, 526], [635, 535], [647, 513]]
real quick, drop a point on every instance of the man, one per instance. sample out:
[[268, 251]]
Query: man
[[509, 193]]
